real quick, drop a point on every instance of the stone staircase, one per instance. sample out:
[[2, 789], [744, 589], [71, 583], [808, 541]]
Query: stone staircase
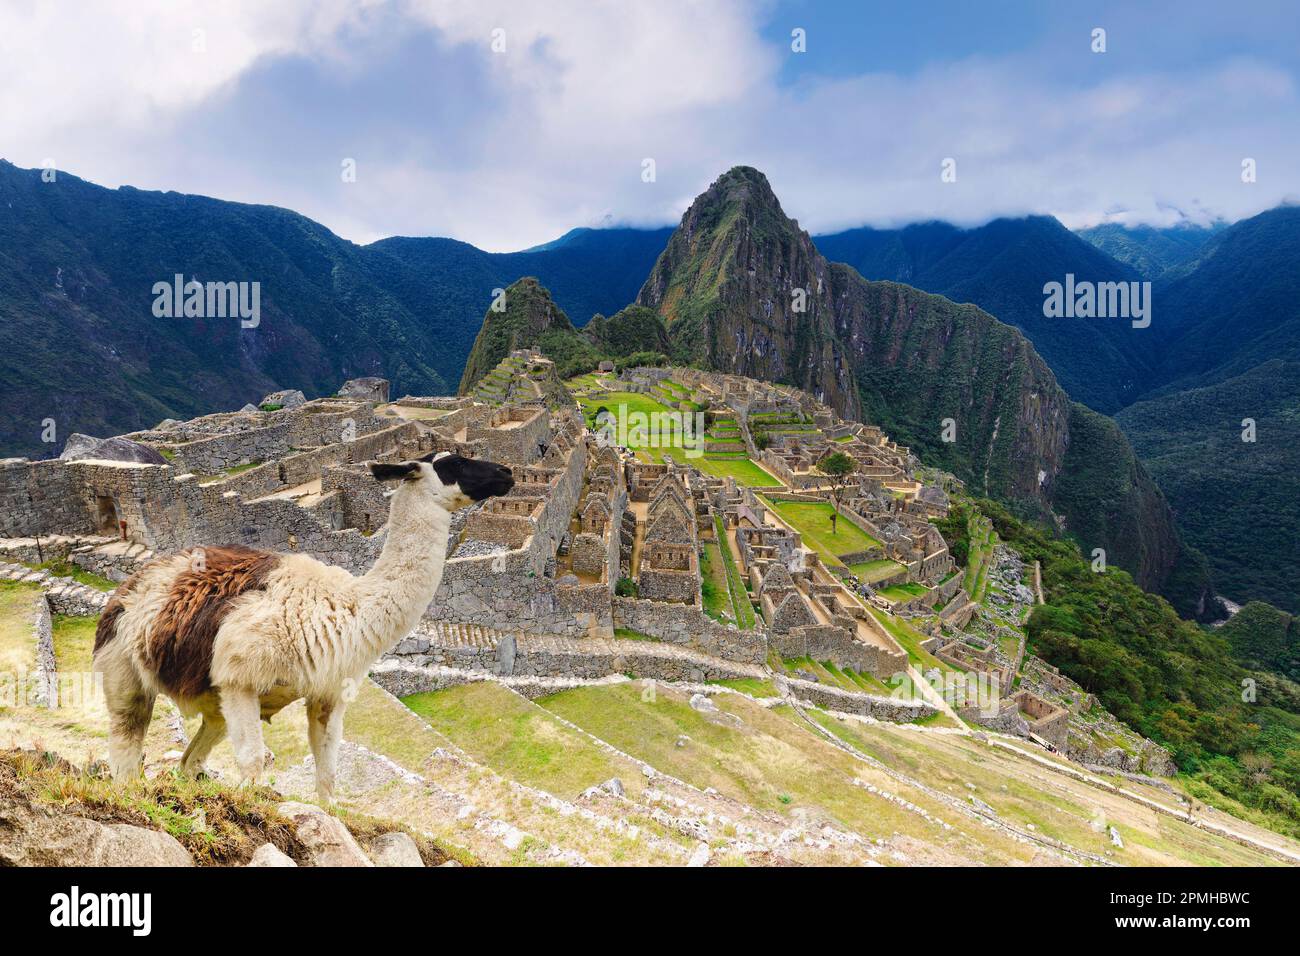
[[66, 595]]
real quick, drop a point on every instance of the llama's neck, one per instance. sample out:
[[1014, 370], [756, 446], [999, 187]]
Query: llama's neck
[[401, 584]]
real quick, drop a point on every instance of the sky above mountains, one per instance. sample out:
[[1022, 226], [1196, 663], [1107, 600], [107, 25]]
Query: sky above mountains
[[507, 139]]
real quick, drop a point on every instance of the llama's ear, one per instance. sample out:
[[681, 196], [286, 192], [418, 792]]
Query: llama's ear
[[392, 471]]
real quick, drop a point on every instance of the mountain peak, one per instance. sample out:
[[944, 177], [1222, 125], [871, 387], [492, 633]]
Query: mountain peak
[[518, 318], [739, 281], [741, 188]]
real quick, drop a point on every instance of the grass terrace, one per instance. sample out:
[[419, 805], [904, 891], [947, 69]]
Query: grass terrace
[[714, 592], [903, 592], [873, 571], [740, 602], [63, 568], [846, 679], [735, 466], [812, 519]]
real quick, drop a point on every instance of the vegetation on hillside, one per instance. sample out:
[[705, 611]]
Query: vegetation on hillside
[[1234, 730], [1265, 638], [1238, 501]]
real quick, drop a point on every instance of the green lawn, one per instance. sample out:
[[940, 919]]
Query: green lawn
[[873, 571], [714, 593], [656, 438], [740, 602], [74, 643], [643, 433], [812, 519], [741, 468], [753, 686], [901, 592], [515, 738], [17, 634]]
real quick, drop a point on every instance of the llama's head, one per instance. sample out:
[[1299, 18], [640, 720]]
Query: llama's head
[[449, 480]]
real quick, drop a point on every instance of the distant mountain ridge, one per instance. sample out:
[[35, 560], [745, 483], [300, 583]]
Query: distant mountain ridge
[[1002, 267], [78, 262], [1153, 251]]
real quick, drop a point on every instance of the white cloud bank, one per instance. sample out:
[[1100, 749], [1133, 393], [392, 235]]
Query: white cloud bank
[[507, 149]]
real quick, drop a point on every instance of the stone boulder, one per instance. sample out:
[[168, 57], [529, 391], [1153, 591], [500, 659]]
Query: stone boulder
[[327, 840], [268, 855], [82, 447], [368, 388], [395, 849], [285, 398], [78, 446], [36, 835]]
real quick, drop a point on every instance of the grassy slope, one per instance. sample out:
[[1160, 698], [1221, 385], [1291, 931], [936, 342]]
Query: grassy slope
[[768, 758]]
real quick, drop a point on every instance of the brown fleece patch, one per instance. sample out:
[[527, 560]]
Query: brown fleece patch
[[179, 647], [106, 629]]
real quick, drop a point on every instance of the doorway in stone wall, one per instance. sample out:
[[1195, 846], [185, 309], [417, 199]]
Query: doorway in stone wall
[[106, 515]]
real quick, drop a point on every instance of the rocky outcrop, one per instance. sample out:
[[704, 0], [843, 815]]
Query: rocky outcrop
[[267, 855], [82, 447], [285, 398], [327, 841], [394, 849], [35, 835]]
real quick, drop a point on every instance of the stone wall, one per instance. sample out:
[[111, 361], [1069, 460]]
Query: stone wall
[[688, 626], [39, 497], [866, 705], [323, 422], [827, 643]]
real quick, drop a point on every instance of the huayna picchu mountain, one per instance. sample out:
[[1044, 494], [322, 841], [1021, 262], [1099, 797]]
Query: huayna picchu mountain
[[743, 289]]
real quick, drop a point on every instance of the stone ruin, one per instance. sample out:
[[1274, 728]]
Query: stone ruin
[[539, 564]]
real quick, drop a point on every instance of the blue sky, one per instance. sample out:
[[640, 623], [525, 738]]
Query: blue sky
[[511, 147]]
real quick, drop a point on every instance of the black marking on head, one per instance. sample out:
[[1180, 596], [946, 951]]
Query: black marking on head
[[476, 478], [391, 471]]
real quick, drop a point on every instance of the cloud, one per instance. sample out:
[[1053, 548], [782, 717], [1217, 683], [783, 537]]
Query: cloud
[[130, 64], [508, 149]]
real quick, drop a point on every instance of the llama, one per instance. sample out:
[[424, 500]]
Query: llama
[[237, 634]]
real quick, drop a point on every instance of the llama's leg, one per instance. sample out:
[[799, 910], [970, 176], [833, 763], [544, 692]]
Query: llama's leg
[[128, 722], [324, 731], [206, 737], [130, 707], [243, 714]]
